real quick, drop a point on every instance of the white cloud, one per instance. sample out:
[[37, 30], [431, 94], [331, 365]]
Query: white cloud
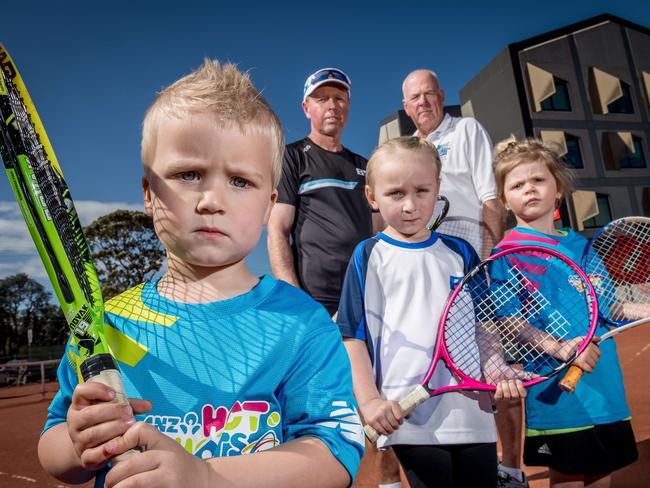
[[16, 244], [32, 266], [17, 250], [9, 208], [90, 210], [14, 237]]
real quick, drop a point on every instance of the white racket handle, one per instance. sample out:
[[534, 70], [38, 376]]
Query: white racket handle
[[113, 379], [417, 396], [623, 328]]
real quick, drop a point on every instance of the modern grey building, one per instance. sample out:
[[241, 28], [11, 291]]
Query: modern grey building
[[585, 87]]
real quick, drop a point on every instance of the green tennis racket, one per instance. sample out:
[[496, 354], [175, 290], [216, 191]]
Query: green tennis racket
[[50, 215]]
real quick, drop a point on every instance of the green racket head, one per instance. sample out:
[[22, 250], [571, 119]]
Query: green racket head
[[47, 207]]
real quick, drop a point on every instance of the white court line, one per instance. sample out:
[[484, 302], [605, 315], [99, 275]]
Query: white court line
[[637, 355], [24, 478]]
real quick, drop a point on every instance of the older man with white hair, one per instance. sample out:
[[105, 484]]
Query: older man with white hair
[[475, 214], [467, 180]]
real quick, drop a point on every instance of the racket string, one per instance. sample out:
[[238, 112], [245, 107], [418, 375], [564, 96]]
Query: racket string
[[54, 193], [618, 261], [506, 322]]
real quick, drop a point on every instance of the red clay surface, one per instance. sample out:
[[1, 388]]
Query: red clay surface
[[23, 411]]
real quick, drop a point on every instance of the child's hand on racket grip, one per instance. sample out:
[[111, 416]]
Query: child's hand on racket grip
[[93, 419], [382, 417], [164, 464], [585, 362], [565, 349], [511, 389]]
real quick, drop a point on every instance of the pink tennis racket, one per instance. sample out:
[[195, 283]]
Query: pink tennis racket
[[524, 313]]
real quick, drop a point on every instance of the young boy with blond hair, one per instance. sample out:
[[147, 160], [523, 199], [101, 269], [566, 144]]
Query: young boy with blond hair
[[229, 363]]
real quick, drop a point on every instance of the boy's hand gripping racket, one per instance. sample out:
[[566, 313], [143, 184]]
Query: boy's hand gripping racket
[[52, 220], [617, 261], [524, 313]]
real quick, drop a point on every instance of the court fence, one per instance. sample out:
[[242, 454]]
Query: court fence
[[17, 372]]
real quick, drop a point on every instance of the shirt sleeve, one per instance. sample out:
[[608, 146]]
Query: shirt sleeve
[[351, 314], [290, 179], [67, 377], [317, 399], [478, 151]]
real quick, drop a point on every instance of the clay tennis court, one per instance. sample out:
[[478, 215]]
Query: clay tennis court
[[23, 410]]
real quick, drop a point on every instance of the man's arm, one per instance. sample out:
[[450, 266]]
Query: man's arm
[[493, 227], [478, 149], [277, 241]]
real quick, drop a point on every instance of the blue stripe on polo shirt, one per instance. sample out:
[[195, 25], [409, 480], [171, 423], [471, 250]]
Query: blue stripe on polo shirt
[[326, 183]]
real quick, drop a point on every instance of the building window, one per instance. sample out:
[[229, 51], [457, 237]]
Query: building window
[[559, 101], [635, 160], [573, 156], [622, 105], [622, 150], [604, 213]]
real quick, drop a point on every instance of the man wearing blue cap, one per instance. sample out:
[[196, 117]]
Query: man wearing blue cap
[[321, 212]]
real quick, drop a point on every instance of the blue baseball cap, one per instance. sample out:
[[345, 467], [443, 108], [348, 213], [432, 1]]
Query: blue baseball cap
[[326, 75]]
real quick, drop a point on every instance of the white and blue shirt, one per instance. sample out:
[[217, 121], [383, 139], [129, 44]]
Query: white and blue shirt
[[393, 296]]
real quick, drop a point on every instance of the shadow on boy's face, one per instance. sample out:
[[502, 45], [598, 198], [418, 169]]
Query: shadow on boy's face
[[177, 215], [154, 191]]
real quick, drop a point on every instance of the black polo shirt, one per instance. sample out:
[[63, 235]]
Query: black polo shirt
[[332, 214]]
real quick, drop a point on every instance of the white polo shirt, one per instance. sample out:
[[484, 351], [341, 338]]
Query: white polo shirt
[[467, 179]]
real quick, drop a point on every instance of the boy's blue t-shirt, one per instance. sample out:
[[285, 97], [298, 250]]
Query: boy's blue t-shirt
[[600, 396], [232, 377]]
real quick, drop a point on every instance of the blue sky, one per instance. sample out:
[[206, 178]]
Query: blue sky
[[92, 68]]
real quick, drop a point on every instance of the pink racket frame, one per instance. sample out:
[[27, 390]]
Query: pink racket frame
[[468, 383]]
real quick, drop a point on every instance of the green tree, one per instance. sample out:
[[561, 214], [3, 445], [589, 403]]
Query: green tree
[[53, 326], [125, 250], [24, 305]]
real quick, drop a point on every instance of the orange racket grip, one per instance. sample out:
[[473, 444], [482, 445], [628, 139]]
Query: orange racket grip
[[571, 378]]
